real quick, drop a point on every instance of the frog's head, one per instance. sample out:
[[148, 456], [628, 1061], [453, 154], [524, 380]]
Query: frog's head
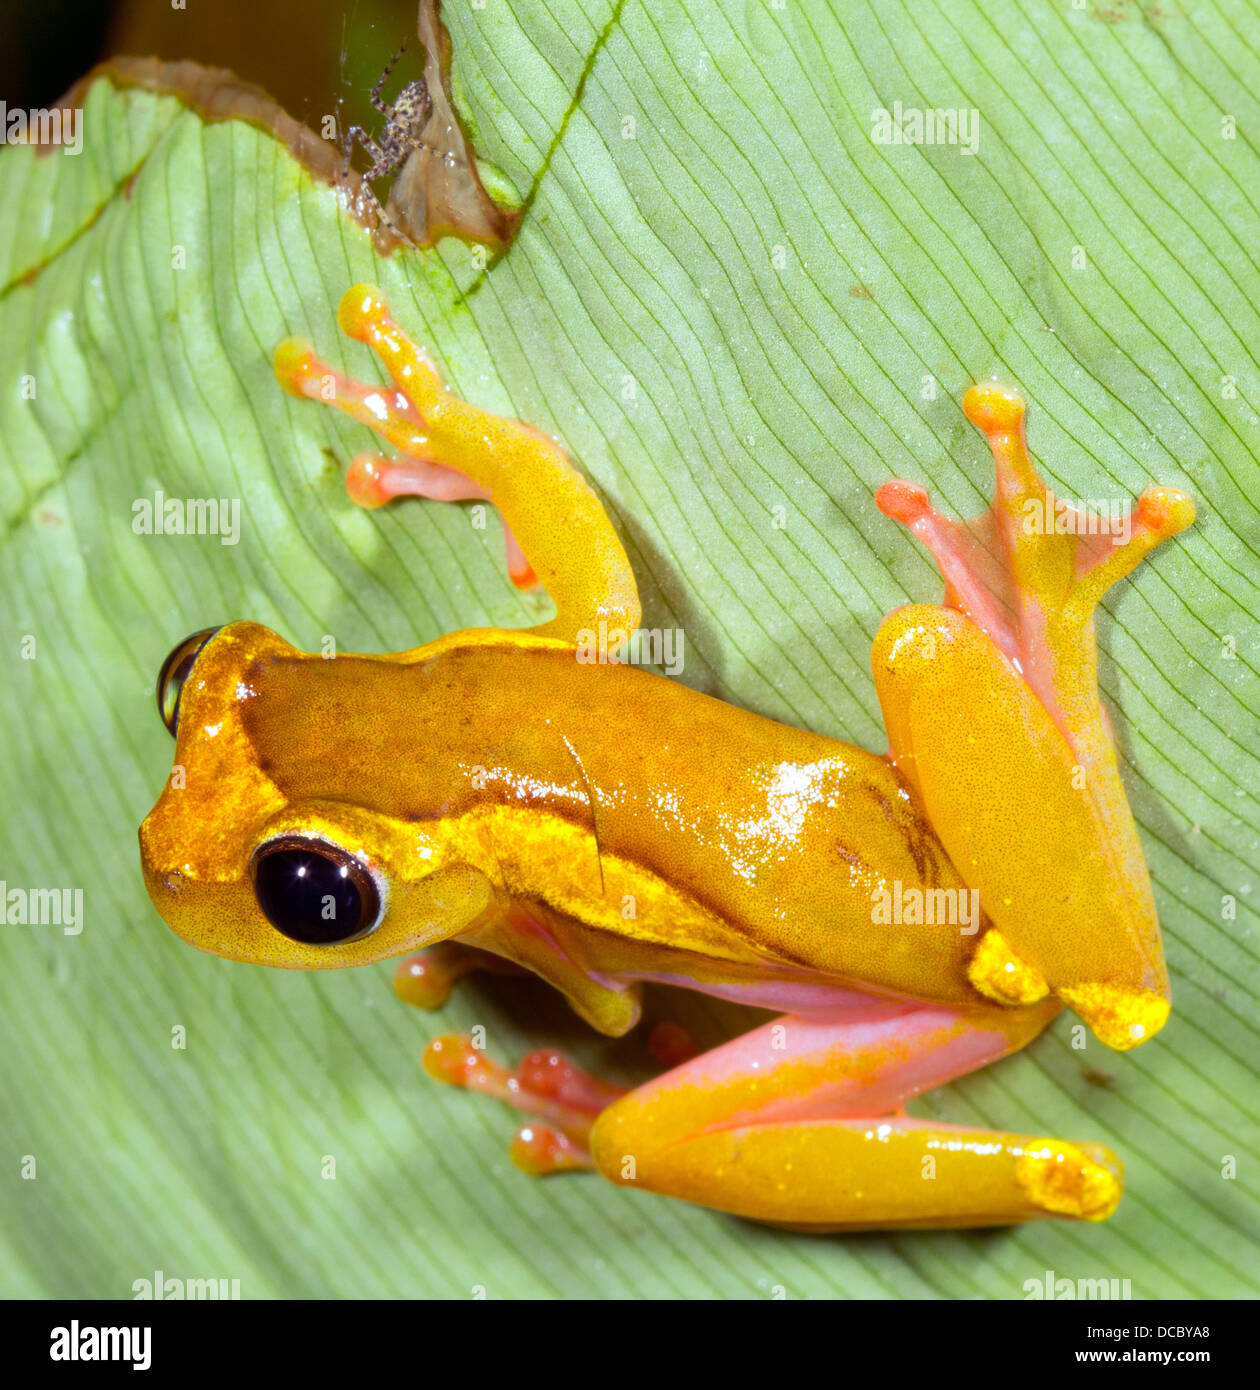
[[257, 848]]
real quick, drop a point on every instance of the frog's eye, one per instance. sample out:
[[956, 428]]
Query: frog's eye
[[174, 672], [313, 891]]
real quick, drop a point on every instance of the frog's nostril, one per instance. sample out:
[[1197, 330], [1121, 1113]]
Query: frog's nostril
[[175, 672]]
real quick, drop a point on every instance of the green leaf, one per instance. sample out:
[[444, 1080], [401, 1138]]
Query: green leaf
[[725, 297]]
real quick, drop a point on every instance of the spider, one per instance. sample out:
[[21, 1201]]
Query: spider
[[404, 122]]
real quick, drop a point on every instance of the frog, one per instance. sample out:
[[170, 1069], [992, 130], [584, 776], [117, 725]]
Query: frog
[[490, 799]]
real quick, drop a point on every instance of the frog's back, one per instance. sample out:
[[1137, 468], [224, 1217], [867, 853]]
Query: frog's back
[[773, 836]]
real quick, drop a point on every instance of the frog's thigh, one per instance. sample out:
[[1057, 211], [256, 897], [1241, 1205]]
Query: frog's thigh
[[1043, 841], [795, 1123]]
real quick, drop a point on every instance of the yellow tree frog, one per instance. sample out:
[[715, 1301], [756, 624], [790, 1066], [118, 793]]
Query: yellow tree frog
[[493, 797]]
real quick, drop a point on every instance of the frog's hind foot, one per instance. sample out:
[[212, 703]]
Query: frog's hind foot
[[1031, 569], [546, 1085], [802, 1123]]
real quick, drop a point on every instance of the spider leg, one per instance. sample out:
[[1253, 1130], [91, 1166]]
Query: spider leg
[[387, 164], [374, 96], [392, 226], [347, 150], [382, 162]]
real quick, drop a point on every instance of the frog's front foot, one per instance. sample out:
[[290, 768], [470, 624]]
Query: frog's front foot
[[557, 533], [425, 978]]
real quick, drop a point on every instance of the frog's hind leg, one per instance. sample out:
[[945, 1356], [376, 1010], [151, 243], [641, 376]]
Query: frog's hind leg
[[993, 715], [802, 1123], [559, 534]]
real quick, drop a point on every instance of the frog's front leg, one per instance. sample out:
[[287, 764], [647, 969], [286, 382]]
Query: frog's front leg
[[558, 533], [425, 978], [802, 1123]]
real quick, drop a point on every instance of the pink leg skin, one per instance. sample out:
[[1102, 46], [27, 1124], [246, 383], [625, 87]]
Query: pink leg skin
[[802, 1123], [372, 481]]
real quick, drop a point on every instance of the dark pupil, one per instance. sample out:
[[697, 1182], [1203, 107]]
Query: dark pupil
[[308, 896]]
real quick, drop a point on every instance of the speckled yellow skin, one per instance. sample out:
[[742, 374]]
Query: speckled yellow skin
[[992, 712], [732, 861], [603, 826]]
